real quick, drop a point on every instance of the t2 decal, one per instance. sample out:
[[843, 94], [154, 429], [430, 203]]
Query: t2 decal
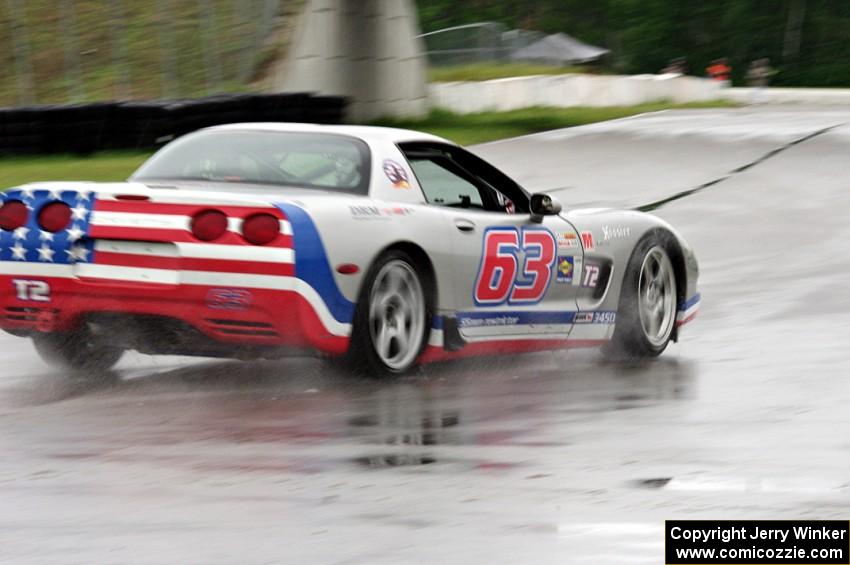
[[502, 279], [31, 291], [591, 275]]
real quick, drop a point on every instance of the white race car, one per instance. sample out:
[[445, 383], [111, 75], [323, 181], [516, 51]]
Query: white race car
[[387, 247]]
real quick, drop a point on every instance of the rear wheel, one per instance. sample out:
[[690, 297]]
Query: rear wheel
[[78, 351], [392, 319], [647, 313]]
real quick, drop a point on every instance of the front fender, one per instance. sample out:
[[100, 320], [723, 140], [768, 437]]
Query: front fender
[[614, 235]]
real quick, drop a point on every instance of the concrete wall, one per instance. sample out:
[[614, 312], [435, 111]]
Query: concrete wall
[[366, 50], [569, 90], [826, 96]]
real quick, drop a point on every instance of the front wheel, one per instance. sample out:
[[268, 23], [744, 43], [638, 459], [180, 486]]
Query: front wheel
[[392, 319], [648, 300], [78, 351]]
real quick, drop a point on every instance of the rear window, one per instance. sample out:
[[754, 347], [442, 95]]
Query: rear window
[[306, 160]]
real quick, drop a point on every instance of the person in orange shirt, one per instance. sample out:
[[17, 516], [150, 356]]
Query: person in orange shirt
[[720, 71]]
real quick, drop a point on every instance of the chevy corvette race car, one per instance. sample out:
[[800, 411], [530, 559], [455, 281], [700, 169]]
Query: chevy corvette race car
[[385, 247]]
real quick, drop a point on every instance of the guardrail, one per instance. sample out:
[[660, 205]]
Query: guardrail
[[86, 128]]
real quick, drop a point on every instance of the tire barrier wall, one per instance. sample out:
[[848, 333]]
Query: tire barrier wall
[[87, 128]]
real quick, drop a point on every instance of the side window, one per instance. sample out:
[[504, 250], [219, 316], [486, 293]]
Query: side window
[[443, 187], [451, 176]]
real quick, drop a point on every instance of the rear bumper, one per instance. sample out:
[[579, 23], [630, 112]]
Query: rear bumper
[[221, 316]]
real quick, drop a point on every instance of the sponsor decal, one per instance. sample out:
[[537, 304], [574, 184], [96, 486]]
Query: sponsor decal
[[615, 232], [229, 299], [584, 318], [587, 241], [396, 174], [514, 318], [590, 276], [567, 240], [398, 211], [365, 212], [494, 321], [566, 266], [370, 212], [596, 317]]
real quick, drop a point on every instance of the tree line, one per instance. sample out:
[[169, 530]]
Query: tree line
[[807, 41]]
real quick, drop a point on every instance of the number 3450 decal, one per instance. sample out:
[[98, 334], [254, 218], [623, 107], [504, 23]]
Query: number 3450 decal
[[502, 279]]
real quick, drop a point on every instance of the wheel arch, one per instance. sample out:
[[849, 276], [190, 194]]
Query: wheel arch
[[422, 259], [625, 344], [356, 355], [677, 257]]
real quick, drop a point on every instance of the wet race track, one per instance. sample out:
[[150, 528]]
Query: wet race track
[[545, 458]]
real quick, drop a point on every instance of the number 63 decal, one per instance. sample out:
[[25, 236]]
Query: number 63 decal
[[502, 279]]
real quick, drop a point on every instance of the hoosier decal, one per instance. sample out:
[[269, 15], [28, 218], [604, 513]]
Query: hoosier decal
[[615, 232]]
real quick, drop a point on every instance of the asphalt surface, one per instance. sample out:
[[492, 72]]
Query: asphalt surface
[[546, 458]]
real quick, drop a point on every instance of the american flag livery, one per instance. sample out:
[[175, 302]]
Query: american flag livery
[[31, 244], [130, 249], [143, 241], [117, 224]]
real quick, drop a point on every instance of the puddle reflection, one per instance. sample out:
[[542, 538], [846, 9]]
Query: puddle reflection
[[299, 414]]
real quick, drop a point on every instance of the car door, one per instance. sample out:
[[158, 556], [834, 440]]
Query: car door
[[513, 276]]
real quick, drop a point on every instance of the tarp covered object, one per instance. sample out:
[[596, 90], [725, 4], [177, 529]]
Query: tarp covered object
[[559, 48]]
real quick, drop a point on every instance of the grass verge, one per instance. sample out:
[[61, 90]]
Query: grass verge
[[465, 129], [490, 71], [15, 171], [468, 129]]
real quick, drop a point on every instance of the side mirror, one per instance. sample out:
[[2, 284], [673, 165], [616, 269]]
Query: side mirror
[[543, 205]]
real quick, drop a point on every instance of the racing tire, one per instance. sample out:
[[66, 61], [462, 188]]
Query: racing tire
[[392, 320], [76, 351], [646, 317]]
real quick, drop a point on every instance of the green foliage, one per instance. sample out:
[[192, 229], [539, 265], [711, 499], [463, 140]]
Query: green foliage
[[645, 34]]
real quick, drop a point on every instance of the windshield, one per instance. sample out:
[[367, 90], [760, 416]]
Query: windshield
[[307, 160]]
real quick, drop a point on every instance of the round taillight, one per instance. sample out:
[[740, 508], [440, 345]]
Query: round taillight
[[261, 229], [54, 217], [209, 225], [13, 214]]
